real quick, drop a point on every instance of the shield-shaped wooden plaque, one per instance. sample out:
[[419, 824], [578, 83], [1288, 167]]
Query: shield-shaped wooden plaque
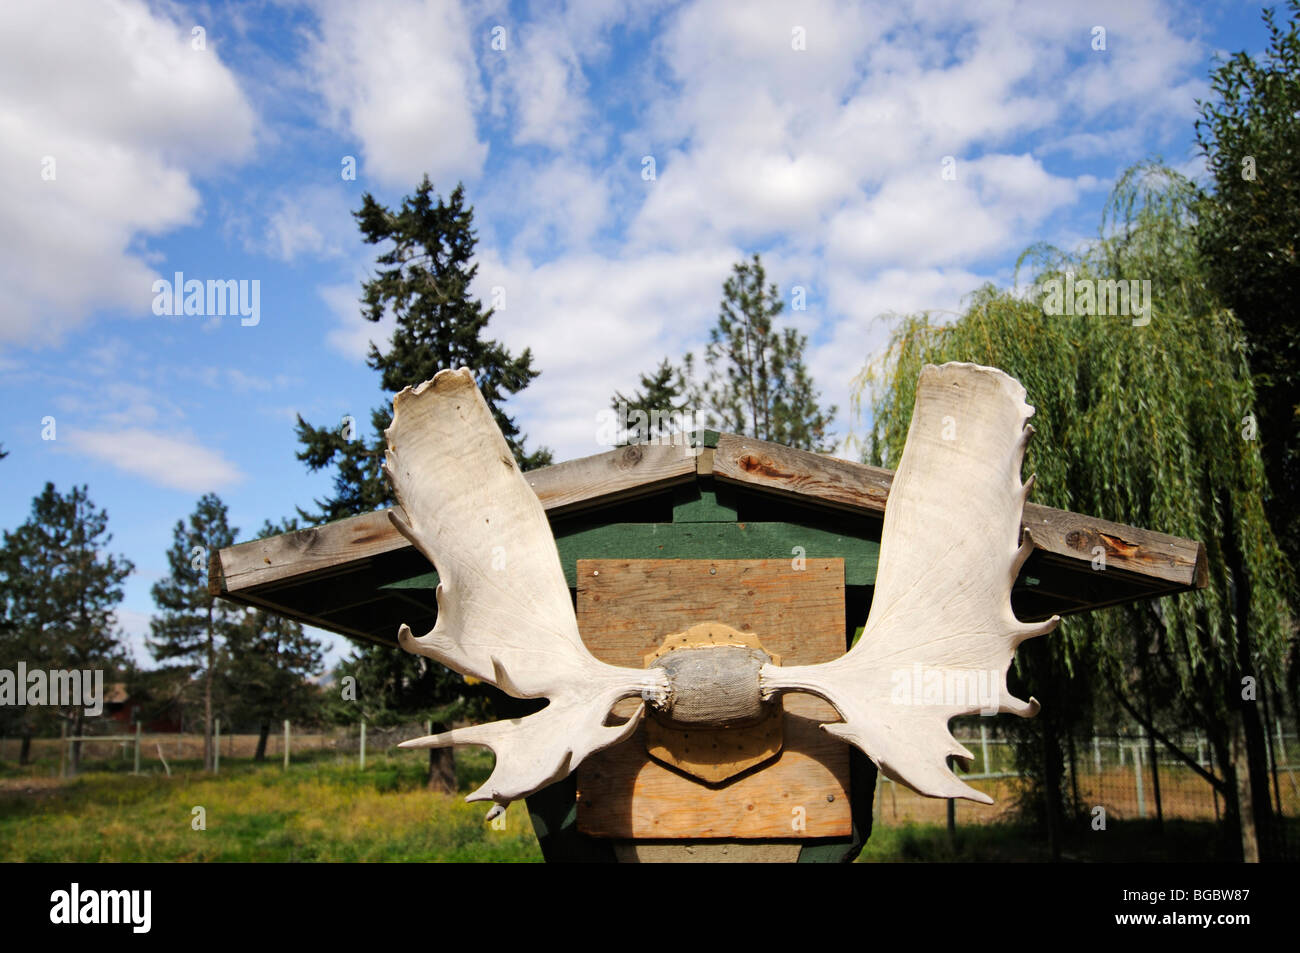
[[796, 608]]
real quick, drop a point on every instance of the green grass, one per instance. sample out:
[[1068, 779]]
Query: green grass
[[1121, 842], [325, 809], [316, 811]]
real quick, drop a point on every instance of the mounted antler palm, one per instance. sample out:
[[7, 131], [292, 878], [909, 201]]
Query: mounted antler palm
[[942, 597], [504, 613]]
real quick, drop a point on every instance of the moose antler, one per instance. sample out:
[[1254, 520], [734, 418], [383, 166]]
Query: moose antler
[[504, 613], [941, 624]]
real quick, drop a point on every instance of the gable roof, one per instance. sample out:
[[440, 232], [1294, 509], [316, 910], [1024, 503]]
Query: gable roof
[[350, 576]]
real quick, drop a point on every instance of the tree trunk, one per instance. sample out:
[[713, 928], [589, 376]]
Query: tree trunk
[[442, 765], [25, 751], [75, 760], [1052, 765], [1250, 852], [1074, 772], [263, 732], [1250, 749]]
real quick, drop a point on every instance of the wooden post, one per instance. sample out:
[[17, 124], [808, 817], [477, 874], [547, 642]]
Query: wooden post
[[363, 744], [63, 749], [216, 746], [138, 726], [286, 744], [1213, 789], [1137, 773], [1155, 780], [952, 815], [984, 749]]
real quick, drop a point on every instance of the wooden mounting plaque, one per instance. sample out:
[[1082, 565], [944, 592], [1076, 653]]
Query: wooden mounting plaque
[[626, 607]]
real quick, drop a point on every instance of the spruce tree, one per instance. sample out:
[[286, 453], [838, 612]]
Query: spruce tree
[[192, 625], [59, 591]]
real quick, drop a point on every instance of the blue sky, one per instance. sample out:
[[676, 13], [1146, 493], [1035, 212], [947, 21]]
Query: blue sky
[[813, 133]]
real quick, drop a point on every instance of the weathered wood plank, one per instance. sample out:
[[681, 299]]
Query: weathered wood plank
[[628, 472], [1132, 549], [814, 478], [303, 552], [626, 607], [611, 477], [808, 477]]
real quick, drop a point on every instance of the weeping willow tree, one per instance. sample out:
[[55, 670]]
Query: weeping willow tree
[[1146, 422]]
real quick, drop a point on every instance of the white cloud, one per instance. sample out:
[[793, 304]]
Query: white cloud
[[313, 221], [135, 629], [551, 207], [403, 81], [919, 219], [127, 111], [178, 463], [826, 159], [352, 334], [595, 323]]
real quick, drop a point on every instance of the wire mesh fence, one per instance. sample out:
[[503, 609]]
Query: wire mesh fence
[[1111, 771], [163, 751]]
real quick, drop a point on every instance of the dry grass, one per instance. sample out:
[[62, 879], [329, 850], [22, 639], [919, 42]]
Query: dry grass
[[312, 812]]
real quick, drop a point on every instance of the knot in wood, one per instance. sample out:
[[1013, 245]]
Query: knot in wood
[[715, 685]]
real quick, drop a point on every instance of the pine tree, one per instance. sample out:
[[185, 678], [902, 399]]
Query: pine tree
[[757, 382], [424, 283], [652, 412], [58, 594], [193, 625]]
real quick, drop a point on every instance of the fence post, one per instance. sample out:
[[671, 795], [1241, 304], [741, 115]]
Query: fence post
[[984, 749], [1281, 745], [1200, 748], [1137, 773], [363, 744], [286, 744], [137, 747], [216, 746], [1096, 753], [63, 749], [952, 813]]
